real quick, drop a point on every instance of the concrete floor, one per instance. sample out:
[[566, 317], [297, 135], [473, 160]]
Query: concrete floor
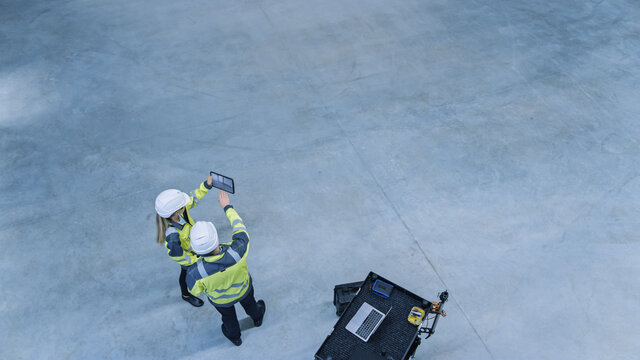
[[485, 147]]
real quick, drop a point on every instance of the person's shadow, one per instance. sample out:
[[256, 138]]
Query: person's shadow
[[246, 323]]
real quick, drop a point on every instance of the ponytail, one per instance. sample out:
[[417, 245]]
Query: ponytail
[[161, 224]]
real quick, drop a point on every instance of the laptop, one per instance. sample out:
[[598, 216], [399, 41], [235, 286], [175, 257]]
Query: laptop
[[366, 321]]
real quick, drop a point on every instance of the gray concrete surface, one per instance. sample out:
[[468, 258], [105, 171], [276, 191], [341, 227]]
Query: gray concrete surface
[[486, 147]]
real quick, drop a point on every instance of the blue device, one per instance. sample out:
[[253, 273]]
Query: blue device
[[382, 288]]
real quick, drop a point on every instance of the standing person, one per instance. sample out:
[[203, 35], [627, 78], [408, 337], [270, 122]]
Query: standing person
[[222, 271], [174, 225]]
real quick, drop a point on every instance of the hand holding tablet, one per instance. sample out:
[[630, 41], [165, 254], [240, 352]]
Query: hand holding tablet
[[222, 182]]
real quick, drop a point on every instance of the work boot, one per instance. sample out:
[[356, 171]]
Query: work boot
[[262, 308], [237, 342], [193, 300]]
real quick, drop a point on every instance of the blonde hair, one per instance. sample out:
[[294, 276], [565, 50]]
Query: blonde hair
[[161, 224]]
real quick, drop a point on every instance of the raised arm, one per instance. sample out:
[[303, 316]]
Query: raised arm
[[237, 226], [199, 193]]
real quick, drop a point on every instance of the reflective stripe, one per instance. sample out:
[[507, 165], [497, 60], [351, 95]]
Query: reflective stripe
[[232, 286], [187, 257], [236, 222], [233, 254], [244, 286], [239, 228], [201, 270], [170, 230], [185, 261]]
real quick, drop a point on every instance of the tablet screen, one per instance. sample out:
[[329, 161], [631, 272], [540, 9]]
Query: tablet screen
[[222, 182]]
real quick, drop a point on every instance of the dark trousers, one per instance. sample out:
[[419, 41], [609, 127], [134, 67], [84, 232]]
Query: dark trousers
[[183, 283], [230, 319]]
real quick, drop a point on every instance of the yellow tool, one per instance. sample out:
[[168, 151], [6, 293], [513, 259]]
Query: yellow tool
[[416, 315]]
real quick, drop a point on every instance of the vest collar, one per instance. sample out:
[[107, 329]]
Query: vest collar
[[178, 225], [214, 257], [223, 250]]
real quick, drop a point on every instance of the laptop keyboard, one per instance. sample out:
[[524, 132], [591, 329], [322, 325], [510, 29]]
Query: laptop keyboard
[[369, 324]]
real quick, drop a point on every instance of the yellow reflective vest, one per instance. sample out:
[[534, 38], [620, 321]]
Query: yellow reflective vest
[[225, 276], [176, 237]]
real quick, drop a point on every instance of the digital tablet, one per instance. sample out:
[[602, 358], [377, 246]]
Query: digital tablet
[[222, 182]]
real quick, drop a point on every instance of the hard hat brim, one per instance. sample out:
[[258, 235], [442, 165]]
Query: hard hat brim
[[165, 212], [185, 201]]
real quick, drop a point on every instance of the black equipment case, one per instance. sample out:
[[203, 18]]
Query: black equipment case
[[395, 339]]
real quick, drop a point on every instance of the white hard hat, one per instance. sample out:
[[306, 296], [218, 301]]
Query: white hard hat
[[170, 201], [204, 237]]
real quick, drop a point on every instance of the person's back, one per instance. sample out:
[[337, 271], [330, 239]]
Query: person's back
[[224, 276], [222, 271]]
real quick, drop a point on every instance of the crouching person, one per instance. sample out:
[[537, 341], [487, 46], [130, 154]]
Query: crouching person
[[222, 271]]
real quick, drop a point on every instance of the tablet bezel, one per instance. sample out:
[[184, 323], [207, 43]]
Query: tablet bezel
[[233, 184]]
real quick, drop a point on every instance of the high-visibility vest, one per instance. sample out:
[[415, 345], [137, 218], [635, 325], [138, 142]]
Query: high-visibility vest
[[177, 238], [225, 276]]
